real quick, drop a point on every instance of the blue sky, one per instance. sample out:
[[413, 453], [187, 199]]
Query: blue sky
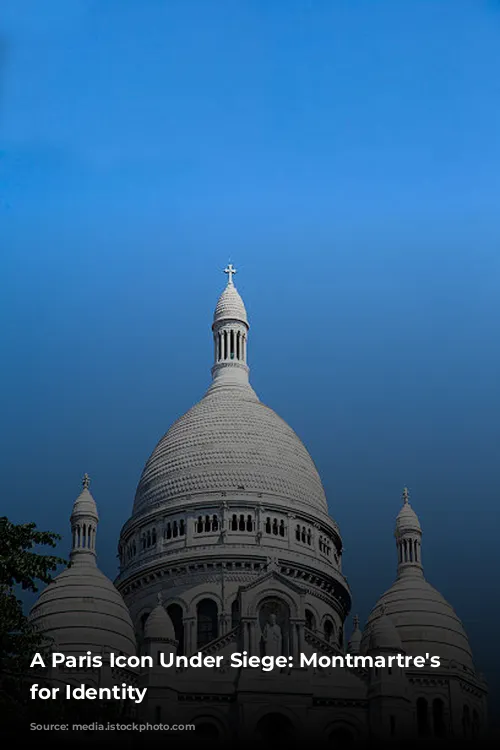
[[345, 156]]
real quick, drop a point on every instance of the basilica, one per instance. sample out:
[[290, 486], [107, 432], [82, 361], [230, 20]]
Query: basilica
[[230, 549]]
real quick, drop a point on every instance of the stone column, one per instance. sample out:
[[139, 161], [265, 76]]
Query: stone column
[[290, 530], [190, 519], [189, 634]]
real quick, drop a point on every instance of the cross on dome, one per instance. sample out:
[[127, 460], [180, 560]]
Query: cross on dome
[[86, 481], [230, 270], [356, 622], [406, 495]]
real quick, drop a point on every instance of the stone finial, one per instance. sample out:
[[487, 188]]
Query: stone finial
[[159, 597], [406, 495], [86, 481], [356, 622], [230, 270]]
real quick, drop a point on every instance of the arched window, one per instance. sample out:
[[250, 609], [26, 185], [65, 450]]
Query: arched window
[[310, 621], [175, 529], [234, 522], [328, 630], [268, 525], [207, 617], [242, 524], [438, 717], [199, 525], [168, 532], [275, 527], [174, 611], [297, 533], [182, 527], [215, 523], [249, 523], [282, 528], [422, 717], [207, 523]]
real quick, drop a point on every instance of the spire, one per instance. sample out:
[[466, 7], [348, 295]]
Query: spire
[[230, 331], [408, 535], [84, 519]]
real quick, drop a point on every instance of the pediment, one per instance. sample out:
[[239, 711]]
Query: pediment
[[268, 586], [276, 577]]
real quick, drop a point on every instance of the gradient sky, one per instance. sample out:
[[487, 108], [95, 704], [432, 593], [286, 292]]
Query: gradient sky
[[345, 155]]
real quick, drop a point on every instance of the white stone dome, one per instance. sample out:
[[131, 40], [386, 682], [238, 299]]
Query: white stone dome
[[159, 625], [425, 622], [230, 441], [82, 610], [384, 635], [230, 306]]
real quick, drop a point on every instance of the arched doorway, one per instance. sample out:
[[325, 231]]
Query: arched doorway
[[207, 622], [235, 613], [275, 727], [175, 613]]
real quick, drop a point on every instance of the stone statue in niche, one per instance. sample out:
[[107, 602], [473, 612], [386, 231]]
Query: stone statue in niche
[[273, 640]]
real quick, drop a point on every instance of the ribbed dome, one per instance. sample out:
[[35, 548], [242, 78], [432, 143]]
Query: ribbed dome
[[230, 441], [407, 520], [424, 620], [81, 609], [159, 625], [230, 306], [85, 505]]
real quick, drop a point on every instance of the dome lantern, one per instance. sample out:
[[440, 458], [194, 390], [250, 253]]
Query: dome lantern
[[408, 533], [84, 519], [230, 330]]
